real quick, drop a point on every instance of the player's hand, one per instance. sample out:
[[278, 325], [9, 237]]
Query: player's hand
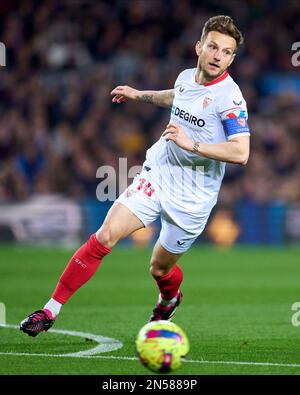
[[123, 93], [176, 133]]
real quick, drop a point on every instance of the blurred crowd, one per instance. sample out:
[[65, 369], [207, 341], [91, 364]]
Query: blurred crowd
[[57, 121]]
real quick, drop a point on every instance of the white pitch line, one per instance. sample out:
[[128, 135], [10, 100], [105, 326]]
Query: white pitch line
[[90, 354], [287, 365], [105, 344], [28, 354]]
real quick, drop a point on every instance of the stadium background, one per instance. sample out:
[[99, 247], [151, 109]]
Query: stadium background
[[58, 125]]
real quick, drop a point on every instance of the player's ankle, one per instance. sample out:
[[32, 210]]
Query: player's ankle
[[53, 307], [167, 302]]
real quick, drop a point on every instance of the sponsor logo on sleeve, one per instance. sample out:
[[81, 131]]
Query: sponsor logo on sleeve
[[180, 88], [237, 103]]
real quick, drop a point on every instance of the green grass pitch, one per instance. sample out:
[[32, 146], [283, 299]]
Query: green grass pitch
[[236, 308]]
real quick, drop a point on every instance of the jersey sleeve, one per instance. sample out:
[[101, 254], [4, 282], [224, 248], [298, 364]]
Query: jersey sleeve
[[181, 79], [232, 110], [178, 80]]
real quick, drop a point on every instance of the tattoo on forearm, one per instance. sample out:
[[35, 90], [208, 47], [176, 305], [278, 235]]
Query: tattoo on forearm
[[146, 98], [160, 98]]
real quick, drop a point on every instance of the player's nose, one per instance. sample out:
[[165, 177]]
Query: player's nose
[[217, 56]]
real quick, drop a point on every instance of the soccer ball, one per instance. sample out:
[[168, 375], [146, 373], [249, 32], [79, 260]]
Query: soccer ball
[[161, 346]]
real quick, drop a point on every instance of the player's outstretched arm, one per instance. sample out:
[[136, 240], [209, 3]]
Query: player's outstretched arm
[[160, 98], [235, 150]]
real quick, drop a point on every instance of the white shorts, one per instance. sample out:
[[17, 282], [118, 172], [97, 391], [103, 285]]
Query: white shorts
[[142, 198]]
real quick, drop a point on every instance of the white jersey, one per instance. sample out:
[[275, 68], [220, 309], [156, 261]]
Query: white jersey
[[210, 113]]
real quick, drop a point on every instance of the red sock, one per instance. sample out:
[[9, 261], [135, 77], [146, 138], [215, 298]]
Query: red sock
[[80, 269], [169, 283]]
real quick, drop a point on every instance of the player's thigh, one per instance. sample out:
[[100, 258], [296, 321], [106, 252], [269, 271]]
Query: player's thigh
[[120, 222], [162, 260], [175, 239]]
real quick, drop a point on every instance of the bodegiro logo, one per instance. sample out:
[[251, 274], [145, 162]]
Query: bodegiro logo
[[296, 55], [187, 116], [169, 183], [2, 54]]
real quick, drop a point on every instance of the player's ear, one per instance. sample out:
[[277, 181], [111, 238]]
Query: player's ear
[[198, 48], [232, 59]]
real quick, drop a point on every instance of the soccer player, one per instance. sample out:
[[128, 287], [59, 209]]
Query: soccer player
[[181, 176]]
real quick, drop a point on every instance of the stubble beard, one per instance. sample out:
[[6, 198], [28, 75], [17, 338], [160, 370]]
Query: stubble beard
[[208, 76]]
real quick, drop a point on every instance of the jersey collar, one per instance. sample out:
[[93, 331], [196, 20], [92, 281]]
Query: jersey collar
[[219, 79]]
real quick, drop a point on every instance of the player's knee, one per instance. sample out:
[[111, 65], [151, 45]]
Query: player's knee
[[106, 236], [159, 268]]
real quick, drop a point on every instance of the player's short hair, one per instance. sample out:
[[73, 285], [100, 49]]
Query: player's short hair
[[222, 24]]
